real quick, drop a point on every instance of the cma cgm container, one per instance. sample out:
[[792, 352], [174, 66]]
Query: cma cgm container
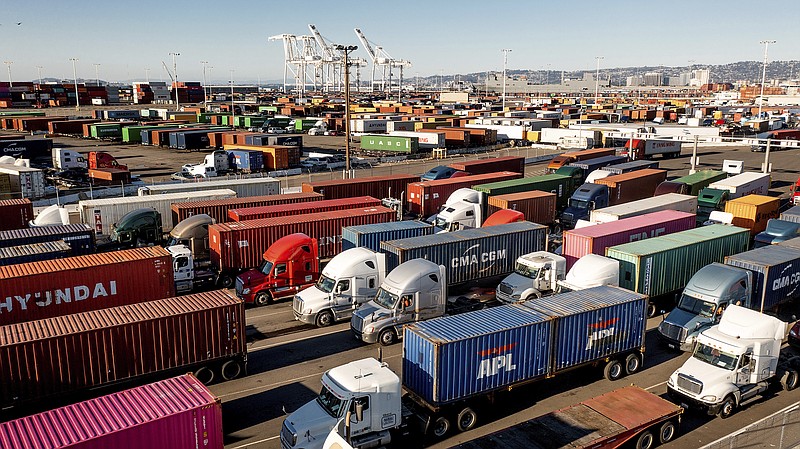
[[218, 209], [753, 211], [538, 207], [375, 186], [34, 252], [425, 198], [462, 358], [243, 187], [370, 236], [595, 239], [37, 290], [203, 332], [79, 236], [240, 245], [492, 165], [472, 253], [15, 214], [391, 144], [669, 201], [255, 213], [775, 271], [171, 413]]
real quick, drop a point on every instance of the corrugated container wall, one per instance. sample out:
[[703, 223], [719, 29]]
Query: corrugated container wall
[[376, 186], [218, 209], [753, 211], [792, 214], [492, 165], [776, 270], [170, 413], [15, 214], [425, 198], [282, 210], [561, 185], [634, 185], [79, 237], [243, 187], [669, 201], [538, 207], [371, 235], [34, 252]]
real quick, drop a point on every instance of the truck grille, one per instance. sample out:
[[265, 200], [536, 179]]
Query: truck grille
[[505, 288], [688, 384], [672, 331], [239, 285], [297, 305], [357, 324], [287, 436]]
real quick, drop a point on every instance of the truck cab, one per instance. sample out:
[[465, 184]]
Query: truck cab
[[777, 231], [795, 192], [348, 280], [710, 200], [64, 159], [587, 198], [438, 172], [535, 275], [188, 274], [192, 232], [137, 228], [672, 187], [414, 291], [290, 264], [463, 209]]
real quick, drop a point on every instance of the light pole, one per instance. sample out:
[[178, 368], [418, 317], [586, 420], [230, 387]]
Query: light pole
[[75, 77], [763, 75], [205, 92], [8, 65], [39, 71], [597, 80], [505, 64], [233, 110], [147, 75], [346, 49], [96, 73], [175, 72]]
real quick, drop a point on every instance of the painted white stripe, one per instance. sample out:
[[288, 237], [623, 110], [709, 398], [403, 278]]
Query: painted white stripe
[[256, 442], [655, 386], [272, 345]]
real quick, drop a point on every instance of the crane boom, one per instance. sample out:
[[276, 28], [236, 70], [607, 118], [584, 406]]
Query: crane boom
[[168, 72]]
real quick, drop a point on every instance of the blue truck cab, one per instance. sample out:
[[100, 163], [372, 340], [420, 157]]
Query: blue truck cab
[[587, 198]]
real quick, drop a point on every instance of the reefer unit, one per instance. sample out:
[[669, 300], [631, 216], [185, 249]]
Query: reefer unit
[[464, 356], [425, 198], [15, 214], [776, 274], [218, 209], [29, 182], [370, 236], [538, 207], [46, 289], [470, 254], [243, 187], [375, 186], [79, 236], [34, 252], [103, 213], [492, 165], [669, 201], [282, 210], [175, 413], [67, 354]]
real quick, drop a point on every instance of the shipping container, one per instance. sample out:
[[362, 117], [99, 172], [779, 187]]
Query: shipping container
[[240, 245], [243, 187], [370, 236], [538, 207], [64, 355], [246, 160], [775, 271], [28, 182], [669, 201], [561, 185], [103, 213], [632, 186], [375, 186], [453, 137], [80, 237], [792, 214], [492, 165], [15, 214], [27, 148], [34, 252], [281, 210], [109, 176], [218, 209], [425, 198], [189, 140], [470, 254], [697, 181], [392, 144], [746, 183], [177, 413], [590, 165], [461, 357], [626, 167], [753, 211]]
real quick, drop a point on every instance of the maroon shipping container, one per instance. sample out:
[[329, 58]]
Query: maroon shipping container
[[632, 186], [426, 197], [506, 163], [538, 207], [255, 213], [46, 289], [63, 355], [68, 126], [595, 239], [240, 245], [218, 209], [171, 413], [376, 186], [453, 137], [15, 214]]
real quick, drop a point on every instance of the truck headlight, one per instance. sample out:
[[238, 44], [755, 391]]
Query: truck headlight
[[517, 296], [369, 329], [670, 383], [245, 291], [307, 311], [709, 398], [792, 332]]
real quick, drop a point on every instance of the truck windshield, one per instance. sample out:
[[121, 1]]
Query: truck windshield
[[696, 306], [715, 357], [266, 267], [524, 270], [330, 403], [385, 299], [578, 204], [325, 283]]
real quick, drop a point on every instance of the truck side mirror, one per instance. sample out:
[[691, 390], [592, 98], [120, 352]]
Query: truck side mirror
[[752, 365], [359, 411]]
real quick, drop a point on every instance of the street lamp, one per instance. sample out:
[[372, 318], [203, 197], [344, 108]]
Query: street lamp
[[96, 73], [205, 92], [8, 65], [346, 49], [597, 80], [505, 64], [233, 109], [763, 75], [175, 72], [147, 75], [39, 71], [75, 77]]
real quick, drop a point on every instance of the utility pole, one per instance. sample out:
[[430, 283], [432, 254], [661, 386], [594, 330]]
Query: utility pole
[[233, 109], [8, 66], [175, 72], [75, 77], [763, 76], [39, 71], [597, 80], [347, 49], [505, 64], [96, 73], [147, 75], [205, 92]]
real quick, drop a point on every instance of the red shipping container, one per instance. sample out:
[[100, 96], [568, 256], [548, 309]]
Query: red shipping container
[[426, 197], [255, 213], [15, 214], [240, 245], [632, 186], [171, 413], [67, 354], [478, 167], [69, 126], [375, 186], [595, 239], [46, 289], [538, 207], [218, 209]]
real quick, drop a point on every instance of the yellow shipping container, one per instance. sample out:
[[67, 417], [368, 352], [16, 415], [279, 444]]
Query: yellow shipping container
[[717, 115], [533, 136], [753, 211]]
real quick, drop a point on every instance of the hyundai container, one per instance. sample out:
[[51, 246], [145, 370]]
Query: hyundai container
[[492, 165], [80, 237], [538, 207], [243, 187], [376, 186], [370, 236], [255, 213], [425, 198], [218, 209], [34, 252], [670, 201], [15, 214]]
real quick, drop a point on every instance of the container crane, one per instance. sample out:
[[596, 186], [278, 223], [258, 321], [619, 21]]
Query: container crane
[[380, 58], [299, 54], [333, 61]]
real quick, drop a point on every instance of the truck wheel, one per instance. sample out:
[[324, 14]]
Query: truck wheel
[[324, 318], [441, 426], [789, 379], [613, 370], [667, 432], [386, 337], [231, 369], [645, 440], [204, 375], [632, 364], [225, 281], [652, 310], [262, 299], [467, 419], [727, 408]]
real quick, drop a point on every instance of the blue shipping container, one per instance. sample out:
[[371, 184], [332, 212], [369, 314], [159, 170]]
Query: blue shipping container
[[472, 253], [591, 165], [191, 140], [371, 235], [145, 134], [626, 167], [247, 160], [80, 237], [34, 252], [776, 274]]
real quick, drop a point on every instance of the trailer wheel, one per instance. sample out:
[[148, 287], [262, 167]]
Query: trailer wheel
[[652, 310], [262, 299], [789, 379], [613, 370], [441, 426], [231, 369], [632, 364], [467, 419], [386, 337], [727, 408], [225, 281], [324, 318], [645, 440], [205, 375], [667, 432]]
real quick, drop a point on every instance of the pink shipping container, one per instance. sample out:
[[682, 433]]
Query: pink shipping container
[[595, 239], [375, 186], [490, 165], [238, 246], [51, 288], [177, 413], [426, 197], [255, 213], [218, 209], [15, 214]]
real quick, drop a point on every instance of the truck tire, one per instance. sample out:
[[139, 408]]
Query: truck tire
[[667, 432], [632, 364], [789, 379], [205, 375], [324, 318], [652, 310], [387, 337], [728, 407], [225, 281], [441, 426], [262, 299], [645, 440], [231, 370], [467, 419], [613, 370]]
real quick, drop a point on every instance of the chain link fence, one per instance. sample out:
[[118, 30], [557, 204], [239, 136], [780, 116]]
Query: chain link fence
[[779, 431]]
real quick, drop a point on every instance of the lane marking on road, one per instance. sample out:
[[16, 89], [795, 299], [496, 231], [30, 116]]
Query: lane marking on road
[[655, 386], [257, 442], [273, 345], [750, 426]]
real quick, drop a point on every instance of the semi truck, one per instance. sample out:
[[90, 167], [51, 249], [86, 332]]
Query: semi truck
[[645, 149], [691, 184], [734, 362], [714, 197], [453, 367], [467, 208], [563, 183], [761, 279]]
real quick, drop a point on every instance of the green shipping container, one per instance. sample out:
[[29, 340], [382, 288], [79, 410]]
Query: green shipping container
[[394, 144], [22, 113], [132, 134], [661, 265], [697, 181], [561, 185], [267, 109], [106, 131], [304, 124]]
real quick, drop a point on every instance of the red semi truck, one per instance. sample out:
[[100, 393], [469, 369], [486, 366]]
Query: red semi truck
[[645, 149]]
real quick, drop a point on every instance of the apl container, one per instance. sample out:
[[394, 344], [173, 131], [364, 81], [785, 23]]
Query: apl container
[[538, 207], [171, 413], [491, 165], [218, 209], [34, 252], [375, 186], [370, 236], [255, 213], [425, 198], [776, 274], [79, 237], [15, 214]]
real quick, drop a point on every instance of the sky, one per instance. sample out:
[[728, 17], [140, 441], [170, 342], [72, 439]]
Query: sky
[[438, 36]]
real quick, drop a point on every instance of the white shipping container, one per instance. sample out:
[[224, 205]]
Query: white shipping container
[[102, 214], [555, 135], [243, 187], [368, 126], [510, 132], [426, 140], [27, 181], [747, 183], [670, 201]]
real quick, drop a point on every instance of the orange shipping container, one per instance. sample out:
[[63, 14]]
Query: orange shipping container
[[538, 207], [632, 186], [753, 211]]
